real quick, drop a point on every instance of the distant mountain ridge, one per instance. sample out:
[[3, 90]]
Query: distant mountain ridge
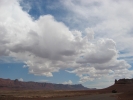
[[7, 84]]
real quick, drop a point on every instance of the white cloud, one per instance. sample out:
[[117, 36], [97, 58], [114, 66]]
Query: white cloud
[[21, 79], [107, 21], [43, 80], [68, 82], [101, 52], [113, 22], [104, 82], [46, 45]]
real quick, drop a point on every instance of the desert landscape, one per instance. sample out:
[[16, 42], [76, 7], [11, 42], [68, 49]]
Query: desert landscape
[[66, 50], [16, 90]]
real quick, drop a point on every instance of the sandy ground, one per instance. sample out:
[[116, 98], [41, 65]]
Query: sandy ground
[[126, 96], [108, 96], [56, 95]]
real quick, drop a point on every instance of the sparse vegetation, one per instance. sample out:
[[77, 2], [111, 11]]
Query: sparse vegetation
[[31, 95], [114, 91]]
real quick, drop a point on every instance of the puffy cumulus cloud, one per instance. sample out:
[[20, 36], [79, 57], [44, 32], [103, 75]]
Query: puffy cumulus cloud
[[101, 52], [68, 82], [109, 19], [46, 46], [21, 79], [104, 82], [113, 69]]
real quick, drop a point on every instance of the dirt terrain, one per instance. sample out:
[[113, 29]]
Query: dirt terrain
[[65, 95], [42, 93], [126, 96], [56, 95], [108, 96]]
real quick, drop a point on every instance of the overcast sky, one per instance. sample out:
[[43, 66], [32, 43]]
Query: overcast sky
[[87, 42]]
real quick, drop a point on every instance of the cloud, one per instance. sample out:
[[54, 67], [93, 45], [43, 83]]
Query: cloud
[[113, 25], [104, 82], [68, 82], [21, 79], [107, 21], [101, 52], [46, 45], [43, 80]]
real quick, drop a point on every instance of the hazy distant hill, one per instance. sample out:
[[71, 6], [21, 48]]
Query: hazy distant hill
[[8, 84]]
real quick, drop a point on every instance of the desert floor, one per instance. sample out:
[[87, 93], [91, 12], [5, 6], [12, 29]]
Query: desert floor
[[57, 95], [108, 96]]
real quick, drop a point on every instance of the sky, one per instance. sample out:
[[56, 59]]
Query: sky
[[86, 42]]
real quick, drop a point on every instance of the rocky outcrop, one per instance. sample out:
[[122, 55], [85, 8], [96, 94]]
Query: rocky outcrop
[[124, 81], [121, 85], [18, 85]]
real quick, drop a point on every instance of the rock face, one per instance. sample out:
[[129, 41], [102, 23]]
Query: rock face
[[121, 85], [8, 84], [124, 81]]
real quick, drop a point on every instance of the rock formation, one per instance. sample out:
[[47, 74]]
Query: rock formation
[[121, 85], [124, 81]]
